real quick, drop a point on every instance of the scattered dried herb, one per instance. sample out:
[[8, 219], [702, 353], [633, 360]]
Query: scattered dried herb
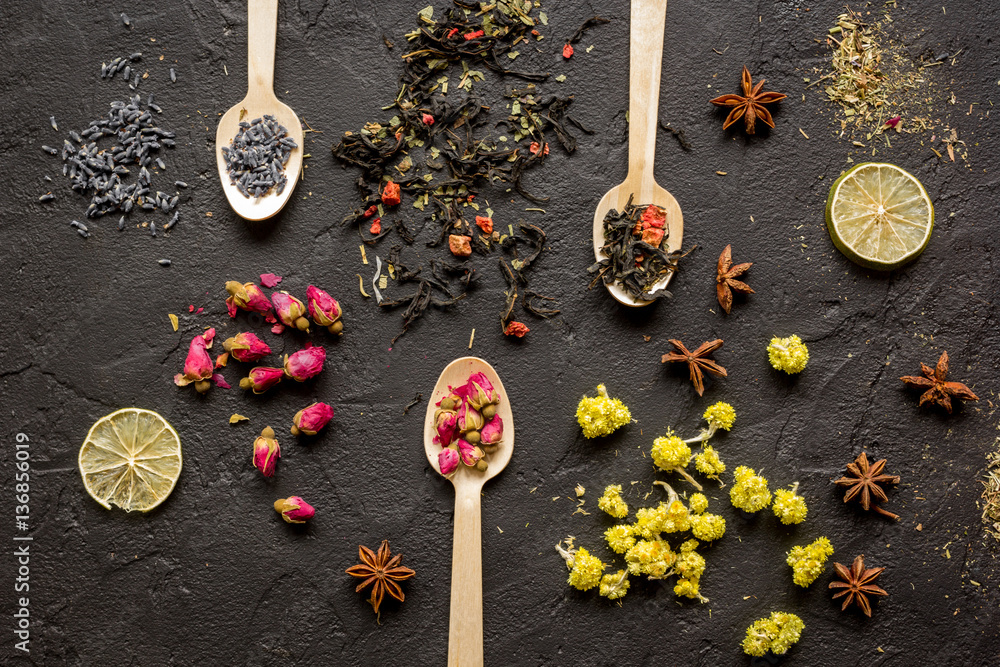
[[416, 399], [697, 361], [936, 388], [862, 482], [726, 282], [636, 250], [857, 584], [441, 149], [382, 572], [991, 496], [750, 105]]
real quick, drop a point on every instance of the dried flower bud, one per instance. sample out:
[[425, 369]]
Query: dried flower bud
[[469, 418], [266, 452], [469, 453], [448, 460], [311, 420], [324, 310], [290, 310], [481, 392], [246, 347], [492, 432], [294, 510], [446, 424], [262, 378], [198, 367], [246, 297], [304, 364]]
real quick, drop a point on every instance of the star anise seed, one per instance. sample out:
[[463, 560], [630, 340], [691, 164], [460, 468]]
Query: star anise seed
[[697, 361], [858, 583], [725, 281], [863, 483], [749, 105], [381, 570], [936, 388]]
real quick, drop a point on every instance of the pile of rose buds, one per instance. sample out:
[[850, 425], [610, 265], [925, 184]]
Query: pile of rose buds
[[281, 310], [468, 426]]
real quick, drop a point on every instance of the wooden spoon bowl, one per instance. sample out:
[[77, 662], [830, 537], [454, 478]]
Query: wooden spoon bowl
[[465, 634], [645, 61], [262, 28]]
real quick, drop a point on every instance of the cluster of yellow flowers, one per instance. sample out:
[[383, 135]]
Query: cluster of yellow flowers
[[788, 354], [775, 634], [645, 547], [788, 506], [708, 463], [601, 415], [750, 492], [807, 562], [612, 502]]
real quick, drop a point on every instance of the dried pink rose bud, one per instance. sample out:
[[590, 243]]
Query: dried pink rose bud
[[262, 378], [247, 297], [492, 432], [481, 392], [469, 418], [198, 367], [448, 460], [304, 364], [294, 510], [311, 420], [246, 347], [446, 424], [471, 455], [290, 310], [324, 310], [266, 452]]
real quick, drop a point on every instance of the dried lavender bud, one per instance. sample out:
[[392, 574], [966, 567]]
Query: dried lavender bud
[[163, 262], [257, 155]]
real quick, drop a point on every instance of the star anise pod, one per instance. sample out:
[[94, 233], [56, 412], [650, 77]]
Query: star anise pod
[[725, 281], [858, 583], [382, 571], [697, 361], [863, 482], [749, 105], [936, 388]]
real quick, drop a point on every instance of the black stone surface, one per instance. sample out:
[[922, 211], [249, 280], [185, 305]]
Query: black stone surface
[[213, 577]]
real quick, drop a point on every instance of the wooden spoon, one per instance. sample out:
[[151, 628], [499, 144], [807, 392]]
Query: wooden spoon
[[262, 27], [465, 630], [645, 57]]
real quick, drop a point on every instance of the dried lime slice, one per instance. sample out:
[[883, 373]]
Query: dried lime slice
[[879, 215], [132, 459]]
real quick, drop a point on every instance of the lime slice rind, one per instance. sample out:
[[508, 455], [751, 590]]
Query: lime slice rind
[[879, 216]]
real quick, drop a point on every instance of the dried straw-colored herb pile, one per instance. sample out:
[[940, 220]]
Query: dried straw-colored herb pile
[[445, 141], [991, 496], [880, 89]]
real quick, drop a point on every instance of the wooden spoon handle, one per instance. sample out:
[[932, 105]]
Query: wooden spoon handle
[[262, 28], [645, 60], [465, 630]]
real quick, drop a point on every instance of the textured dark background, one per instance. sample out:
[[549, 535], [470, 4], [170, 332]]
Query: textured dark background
[[214, 577]]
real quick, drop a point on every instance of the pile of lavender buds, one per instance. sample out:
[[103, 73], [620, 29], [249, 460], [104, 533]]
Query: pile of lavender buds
[[257, 156], [108, 70], [99, 172]]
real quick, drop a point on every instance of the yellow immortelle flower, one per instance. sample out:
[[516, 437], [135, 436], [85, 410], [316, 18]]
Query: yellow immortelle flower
[[586, 571], [807, 562], [708, 527], [698, 503], [674, 517], [788, 506], [720, 415], [612, 502], [788, 354], [648, 522], [775, 634], [601, 415], [708, 463], [670, 452], [620, 538], [650, 557], [614, 586], [750, 492]]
